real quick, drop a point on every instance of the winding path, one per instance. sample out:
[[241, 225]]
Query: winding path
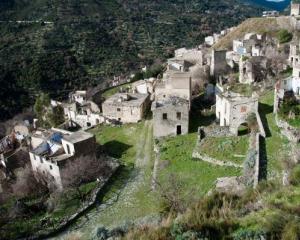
[[86, 226]]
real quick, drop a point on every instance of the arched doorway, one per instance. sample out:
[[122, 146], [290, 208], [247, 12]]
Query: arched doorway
[[243, 129]]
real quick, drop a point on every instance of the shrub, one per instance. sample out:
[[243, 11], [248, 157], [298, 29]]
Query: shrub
[[284, 36], [291, 231], [295, 175]]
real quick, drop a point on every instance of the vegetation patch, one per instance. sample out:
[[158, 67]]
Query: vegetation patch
[[276, 145], [226, 148], [197, 176]]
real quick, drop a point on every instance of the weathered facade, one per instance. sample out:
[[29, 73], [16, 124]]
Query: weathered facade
[[232, 109], [295, 9], [174, 84], [170, 117], [218, 65], [126, 107], [52, 149], [254, 69]]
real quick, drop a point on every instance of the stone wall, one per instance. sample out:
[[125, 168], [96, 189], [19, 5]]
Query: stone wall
[[291, 133], [257, 161]]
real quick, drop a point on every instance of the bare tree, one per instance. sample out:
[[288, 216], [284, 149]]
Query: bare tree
[[174, 195], [84, 169], [26, 184]]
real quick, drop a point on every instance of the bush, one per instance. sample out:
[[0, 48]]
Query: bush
[[295, 175], [291, 231], [284, 36]]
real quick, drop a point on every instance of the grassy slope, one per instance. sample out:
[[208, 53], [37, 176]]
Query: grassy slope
[[124, 143], [258, 25], [276, 144], [197, 176], [226, 148]]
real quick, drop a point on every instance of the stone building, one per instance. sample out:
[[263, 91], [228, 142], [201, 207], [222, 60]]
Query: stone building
[[290, 86], [218, 65], [176, 84], [52, 149], [126, 107], [85, 114], [145, 86], [294, 53], [170, 117], [78, 96], [233, 109], [295, 9], [253, 69]]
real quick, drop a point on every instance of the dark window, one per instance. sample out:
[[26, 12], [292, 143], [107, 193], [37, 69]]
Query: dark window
[[41, 160], [165, 116], [178, 115], [50, 167], [68, 149], [119, 109]]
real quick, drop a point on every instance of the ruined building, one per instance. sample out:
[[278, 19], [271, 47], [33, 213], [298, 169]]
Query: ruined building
[[126, 107], [170, 117], [52, 149], [233, 109]]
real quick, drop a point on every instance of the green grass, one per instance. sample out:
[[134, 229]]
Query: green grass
[[123, 143], [119, 141], [276, 144], [197, 176], [226, 148], [243, 89]]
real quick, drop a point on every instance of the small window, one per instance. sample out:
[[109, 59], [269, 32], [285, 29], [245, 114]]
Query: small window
[[68, 149], [34, 157], [41, 160], [178, 115], [50, 167], [165, 116], [119, 109]]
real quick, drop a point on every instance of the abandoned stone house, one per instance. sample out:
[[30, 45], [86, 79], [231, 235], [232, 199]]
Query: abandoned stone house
[[85, 114], [253, 69], [233, 109], [192, 56], [295, 9], [249, 46], [145, 86], [170, 117], [178, 65], [290, 85], [174, 84], [218, 64], [126, 107], [78, 96], [52, 149]]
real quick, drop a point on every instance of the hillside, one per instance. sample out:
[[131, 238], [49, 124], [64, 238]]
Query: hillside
[[259, 25], [90, 41]]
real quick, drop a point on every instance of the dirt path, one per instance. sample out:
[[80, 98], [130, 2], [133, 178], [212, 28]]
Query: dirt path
[[124, 198]]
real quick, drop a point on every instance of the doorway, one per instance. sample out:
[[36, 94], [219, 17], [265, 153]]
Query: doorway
[[178, 131]]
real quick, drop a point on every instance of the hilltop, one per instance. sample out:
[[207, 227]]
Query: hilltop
[[87, 42], [257, 25]]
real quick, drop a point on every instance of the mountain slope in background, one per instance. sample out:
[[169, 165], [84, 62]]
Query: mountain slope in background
[[277, 5], [92, 40]]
